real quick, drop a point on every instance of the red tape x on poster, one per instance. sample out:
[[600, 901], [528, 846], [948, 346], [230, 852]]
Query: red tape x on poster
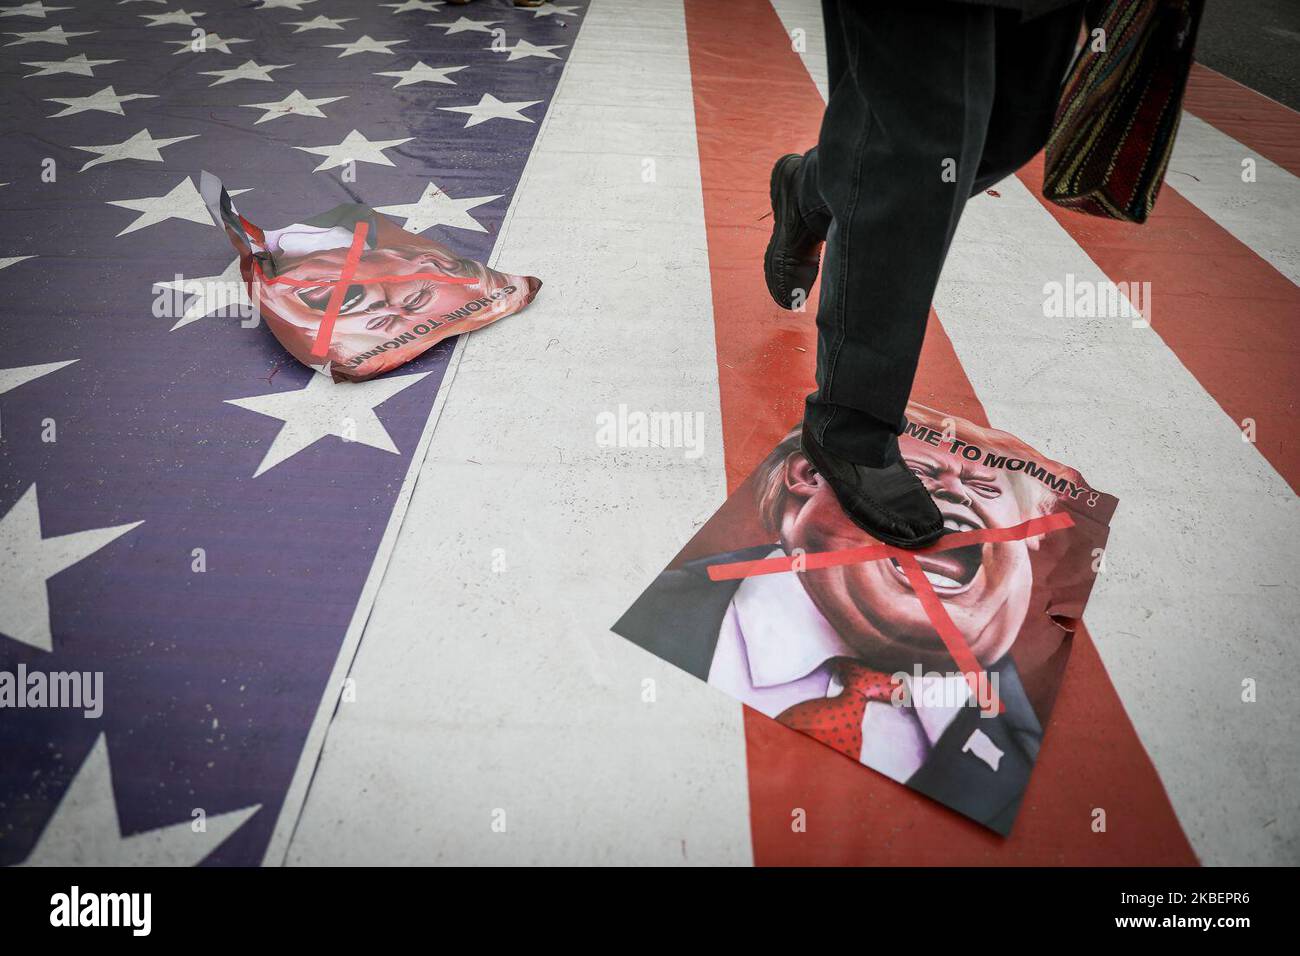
[[936, 667]]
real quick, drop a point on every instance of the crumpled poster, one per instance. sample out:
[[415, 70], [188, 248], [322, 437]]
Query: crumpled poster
[[352, 293], [936, 667]]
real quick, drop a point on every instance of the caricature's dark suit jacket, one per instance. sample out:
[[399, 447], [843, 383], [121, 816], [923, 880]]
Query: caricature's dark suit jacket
[[680, 615]]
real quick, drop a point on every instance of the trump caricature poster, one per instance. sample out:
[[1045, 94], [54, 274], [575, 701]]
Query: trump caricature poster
[[937, 667]]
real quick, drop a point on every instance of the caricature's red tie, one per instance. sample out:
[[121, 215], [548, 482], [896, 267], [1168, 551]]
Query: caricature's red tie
[[837, 721]]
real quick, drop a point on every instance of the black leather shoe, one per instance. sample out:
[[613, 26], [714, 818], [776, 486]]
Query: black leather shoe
[[888, 503], [794, 252]]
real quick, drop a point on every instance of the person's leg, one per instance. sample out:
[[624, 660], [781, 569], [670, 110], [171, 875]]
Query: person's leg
[[800, 216], [1031, 61], [900, 145], [911, 92], [811, 204]]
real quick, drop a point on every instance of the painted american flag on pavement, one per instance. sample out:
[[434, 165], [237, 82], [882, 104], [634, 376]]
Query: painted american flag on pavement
[[486, 557], [520, 705], [184, 508]]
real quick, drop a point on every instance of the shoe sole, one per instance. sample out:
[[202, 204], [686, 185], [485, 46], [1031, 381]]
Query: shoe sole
[[769, 273], [907, 544]]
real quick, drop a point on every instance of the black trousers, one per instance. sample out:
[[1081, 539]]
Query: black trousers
[[930, 103]]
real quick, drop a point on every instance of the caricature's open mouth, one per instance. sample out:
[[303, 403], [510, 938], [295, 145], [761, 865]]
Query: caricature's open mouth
[[949, 572], [317, 298]]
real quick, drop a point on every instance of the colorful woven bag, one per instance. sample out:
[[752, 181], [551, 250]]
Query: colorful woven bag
[[1115, 126]]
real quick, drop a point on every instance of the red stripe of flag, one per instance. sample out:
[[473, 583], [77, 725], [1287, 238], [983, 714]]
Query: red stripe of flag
[[1226, 313], [1091, 756], [1252, 119]]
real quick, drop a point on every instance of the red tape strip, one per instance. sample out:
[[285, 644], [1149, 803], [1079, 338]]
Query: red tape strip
[[325, 331], [952, 638], [1056, 521], [318, 283]]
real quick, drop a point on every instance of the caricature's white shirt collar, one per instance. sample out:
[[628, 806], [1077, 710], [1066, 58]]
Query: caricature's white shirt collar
[[300, 239], [786, 636]]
